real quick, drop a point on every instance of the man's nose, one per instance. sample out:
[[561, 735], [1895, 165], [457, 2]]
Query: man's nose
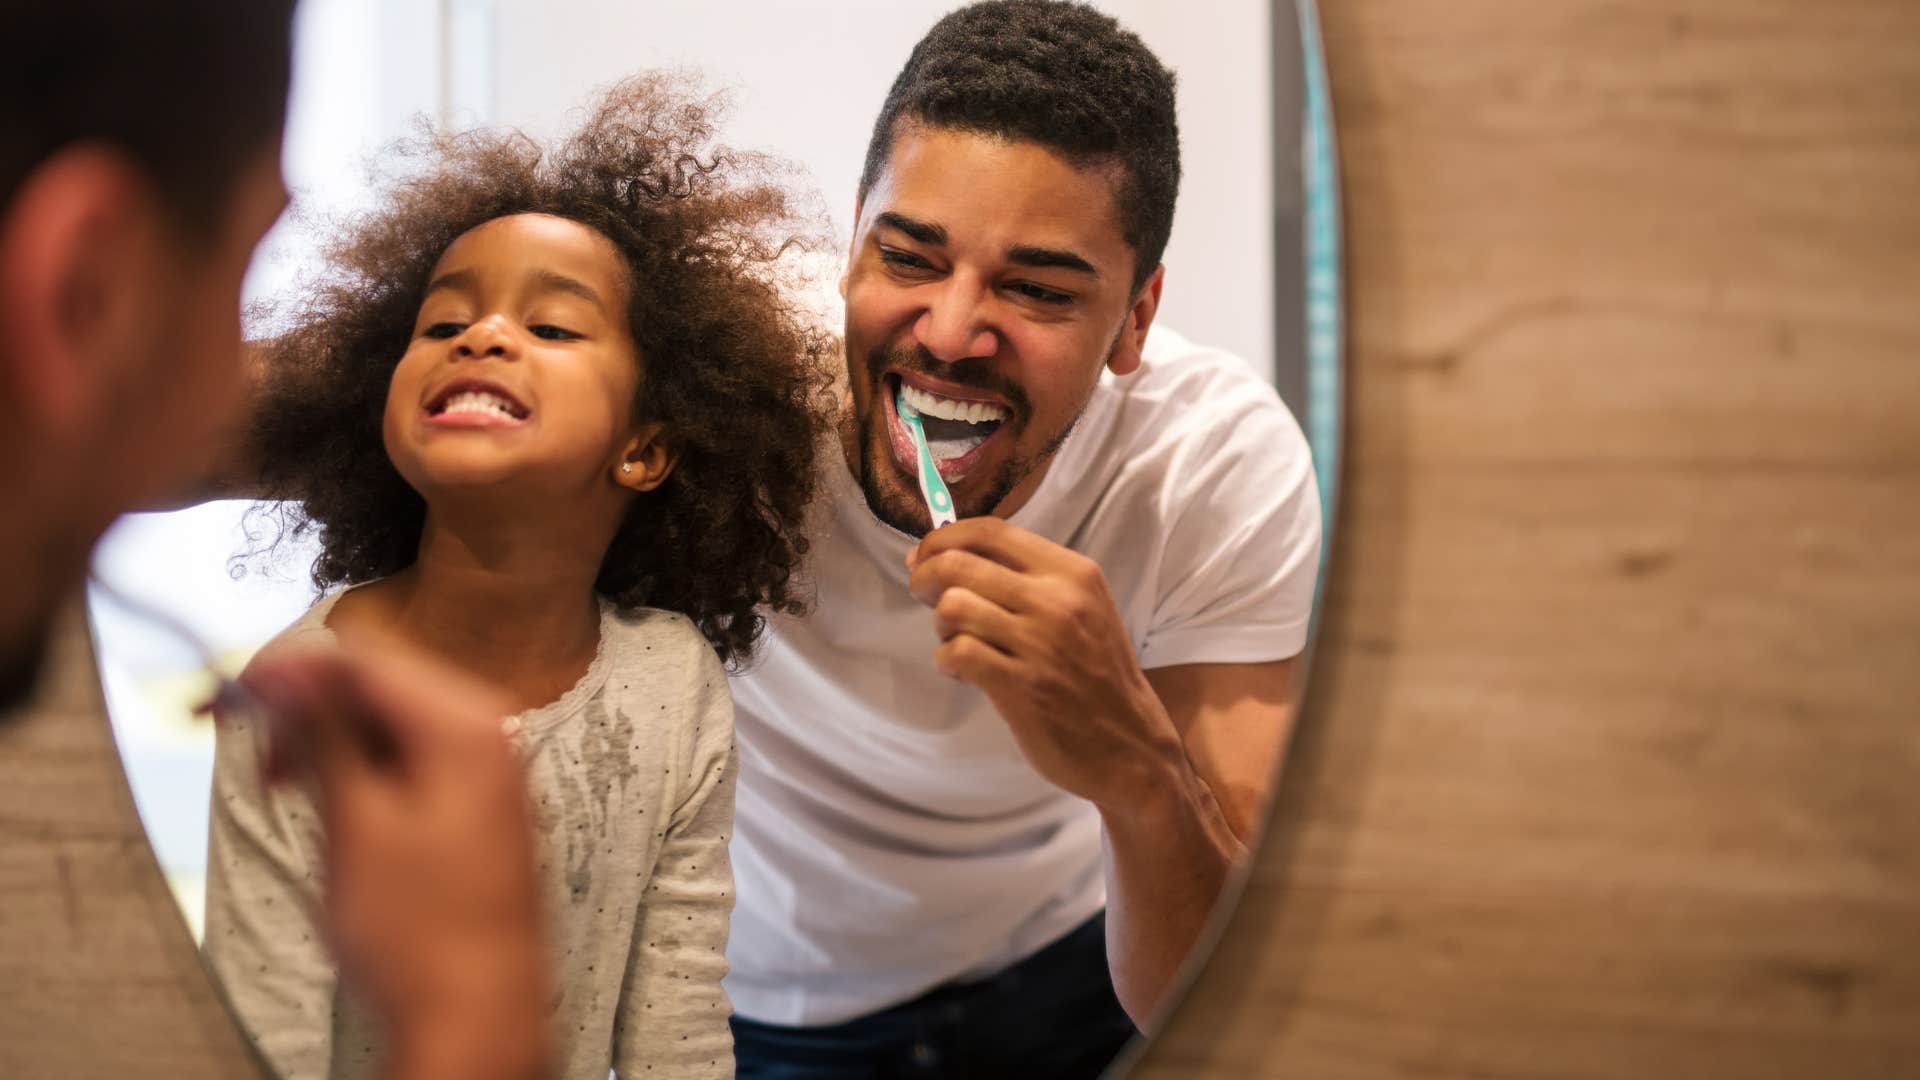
[[955, 325], [483, 338]]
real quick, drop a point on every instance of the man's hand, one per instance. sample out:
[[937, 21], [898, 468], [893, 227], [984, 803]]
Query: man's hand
[[432, 904], [1033, 625], [1178, 762]]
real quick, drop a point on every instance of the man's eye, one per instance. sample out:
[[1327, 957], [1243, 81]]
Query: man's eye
[[903, 259], [442, 330], [1041, 293], [553, 333]]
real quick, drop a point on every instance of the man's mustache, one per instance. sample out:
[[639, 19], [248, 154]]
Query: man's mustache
[[972, 374]]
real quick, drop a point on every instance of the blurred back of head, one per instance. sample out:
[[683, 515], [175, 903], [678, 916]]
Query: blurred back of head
[[139, 166], [189, 89]]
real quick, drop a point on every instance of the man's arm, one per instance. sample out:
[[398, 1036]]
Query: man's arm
[[1234, 720], [1170, 854], [1178, 762]]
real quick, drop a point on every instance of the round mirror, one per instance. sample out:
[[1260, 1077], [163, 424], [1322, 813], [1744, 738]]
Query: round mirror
[[920, 864]]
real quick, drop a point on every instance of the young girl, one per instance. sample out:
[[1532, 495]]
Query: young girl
[[553, 421]]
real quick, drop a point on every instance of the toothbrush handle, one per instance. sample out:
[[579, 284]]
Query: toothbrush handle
[[932, 488]]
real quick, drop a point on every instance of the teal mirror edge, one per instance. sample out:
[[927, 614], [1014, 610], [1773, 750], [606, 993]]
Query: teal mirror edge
[[1323, 414]]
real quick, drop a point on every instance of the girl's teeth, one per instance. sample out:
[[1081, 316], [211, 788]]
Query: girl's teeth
[[478, 402]]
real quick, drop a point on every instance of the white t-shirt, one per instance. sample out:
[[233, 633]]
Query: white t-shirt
[[889, 835]]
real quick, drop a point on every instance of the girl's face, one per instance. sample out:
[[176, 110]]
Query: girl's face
[[522, 371]]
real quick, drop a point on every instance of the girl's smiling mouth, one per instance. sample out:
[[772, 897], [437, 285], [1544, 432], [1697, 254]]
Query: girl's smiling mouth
[[468, 403]]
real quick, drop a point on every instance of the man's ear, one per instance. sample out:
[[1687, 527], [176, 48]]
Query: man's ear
[[1125, 358], [648, 459], [78, 248]]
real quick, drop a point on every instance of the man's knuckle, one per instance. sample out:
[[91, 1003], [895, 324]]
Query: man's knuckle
[[956, 568], [1066, 605], [1079, 607], [1043, 684], [1087, 574]]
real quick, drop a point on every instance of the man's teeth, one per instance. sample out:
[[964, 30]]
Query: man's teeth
[[478, 402], [973, 412]]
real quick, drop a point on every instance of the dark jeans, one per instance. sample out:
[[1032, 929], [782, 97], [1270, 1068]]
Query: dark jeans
[[1052, 1016]]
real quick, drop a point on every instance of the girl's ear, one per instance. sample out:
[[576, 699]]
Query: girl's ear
[[648, 459]]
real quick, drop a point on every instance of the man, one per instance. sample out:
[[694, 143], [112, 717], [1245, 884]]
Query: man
[[139, 165], [986, 849]]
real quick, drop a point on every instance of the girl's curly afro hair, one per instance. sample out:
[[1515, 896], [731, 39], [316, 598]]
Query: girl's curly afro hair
[[732, 365]]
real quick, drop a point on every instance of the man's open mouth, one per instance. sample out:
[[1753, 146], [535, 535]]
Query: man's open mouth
[[956, 427]]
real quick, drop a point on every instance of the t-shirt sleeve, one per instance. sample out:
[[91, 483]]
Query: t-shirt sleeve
[[1242, 554], [673, 1011], [263, 937]]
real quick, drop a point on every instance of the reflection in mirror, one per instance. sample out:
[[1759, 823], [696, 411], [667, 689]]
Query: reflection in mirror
[[985, 801]]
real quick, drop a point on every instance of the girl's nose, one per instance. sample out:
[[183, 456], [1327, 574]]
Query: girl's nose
[[483, 338]]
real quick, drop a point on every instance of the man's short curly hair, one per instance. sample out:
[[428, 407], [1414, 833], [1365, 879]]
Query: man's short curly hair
[[1059, 74], [733, 368]]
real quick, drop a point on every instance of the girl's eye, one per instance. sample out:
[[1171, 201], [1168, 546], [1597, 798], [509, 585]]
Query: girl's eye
[[553, 333], [442, 330]]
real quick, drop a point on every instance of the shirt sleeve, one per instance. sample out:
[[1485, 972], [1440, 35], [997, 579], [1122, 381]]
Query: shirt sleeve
[[1241, 560], [673, 1011], [263, 937]]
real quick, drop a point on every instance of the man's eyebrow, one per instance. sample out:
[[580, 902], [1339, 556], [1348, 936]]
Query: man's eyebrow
[[922, 231], [1050, 257]]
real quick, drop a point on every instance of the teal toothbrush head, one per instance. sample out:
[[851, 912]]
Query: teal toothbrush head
[[932, 488]]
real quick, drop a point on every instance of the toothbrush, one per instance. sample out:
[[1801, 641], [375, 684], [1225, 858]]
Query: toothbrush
[[932, 488]]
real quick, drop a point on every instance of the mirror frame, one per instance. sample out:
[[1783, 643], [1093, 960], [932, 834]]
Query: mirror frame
[[1295, 32]]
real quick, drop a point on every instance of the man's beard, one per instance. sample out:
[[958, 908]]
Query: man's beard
[[902, 508]]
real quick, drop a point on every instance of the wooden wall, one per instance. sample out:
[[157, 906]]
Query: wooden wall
[[1610, 766]]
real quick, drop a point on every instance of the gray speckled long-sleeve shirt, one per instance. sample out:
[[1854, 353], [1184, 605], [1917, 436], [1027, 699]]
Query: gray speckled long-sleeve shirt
[[631, 775]]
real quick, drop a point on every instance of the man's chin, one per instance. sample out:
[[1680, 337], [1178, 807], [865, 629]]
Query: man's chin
[[895, 509], [903, 508]]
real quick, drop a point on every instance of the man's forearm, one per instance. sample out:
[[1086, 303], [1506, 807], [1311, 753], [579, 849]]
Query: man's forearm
[[1169, 857]]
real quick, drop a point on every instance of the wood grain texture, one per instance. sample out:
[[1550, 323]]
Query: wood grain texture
[[98, 975], [1610, 765]]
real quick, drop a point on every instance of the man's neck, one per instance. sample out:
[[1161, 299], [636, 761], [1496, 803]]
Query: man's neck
[[40, 565]]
